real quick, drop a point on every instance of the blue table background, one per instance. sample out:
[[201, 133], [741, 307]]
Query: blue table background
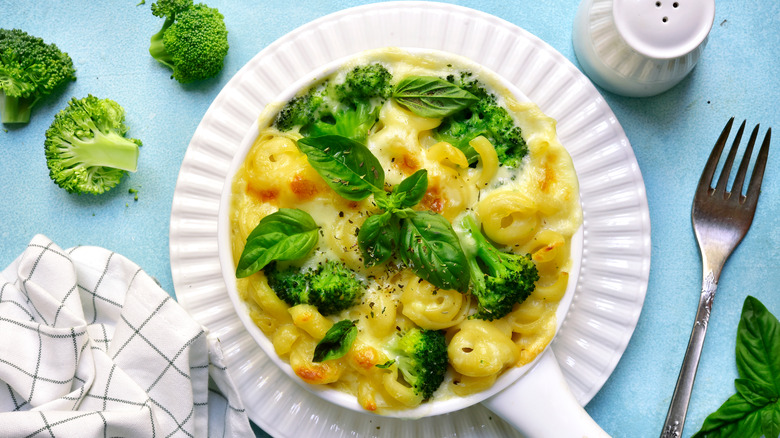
[[671, 135]]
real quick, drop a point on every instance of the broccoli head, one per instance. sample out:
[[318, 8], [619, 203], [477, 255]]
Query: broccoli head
[[299, 111], [354, 123], [364, 83], [193, 40], [349, 108], [331, 286], [487, 118], [421, 357], [86, 148], [169, 8], [291, 285], [499, 279], [29, 70]]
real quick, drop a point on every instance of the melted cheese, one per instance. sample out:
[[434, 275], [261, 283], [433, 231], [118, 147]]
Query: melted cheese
[[533, 208]]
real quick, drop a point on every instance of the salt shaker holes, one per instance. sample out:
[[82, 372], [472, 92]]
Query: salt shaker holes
[[658, 42]]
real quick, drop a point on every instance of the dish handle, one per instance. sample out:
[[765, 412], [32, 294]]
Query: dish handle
[[540, 404]]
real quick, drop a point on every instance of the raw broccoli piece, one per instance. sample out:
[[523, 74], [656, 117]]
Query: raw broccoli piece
[[498, 279], [86, 148], [331, 286], [486, 118], [349, 109], [29, 70], [421, 357], [193, 39]]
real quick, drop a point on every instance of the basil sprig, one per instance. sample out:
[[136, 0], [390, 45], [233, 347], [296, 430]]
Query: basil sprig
[[337, 341], [431, 97], [424, 240], [286, 234], [755, 409], [351, 170]]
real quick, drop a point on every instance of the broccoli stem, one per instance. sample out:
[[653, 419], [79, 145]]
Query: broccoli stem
[[157, 48], [476, 233], [104, 150], [16, 109], [473, 251]]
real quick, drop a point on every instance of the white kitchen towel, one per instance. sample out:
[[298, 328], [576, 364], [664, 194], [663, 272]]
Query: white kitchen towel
[[92, 346]]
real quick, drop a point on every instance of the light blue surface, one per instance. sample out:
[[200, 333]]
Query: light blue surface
[[671, 135]]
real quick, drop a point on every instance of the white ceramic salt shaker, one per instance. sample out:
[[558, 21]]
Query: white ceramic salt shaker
[[640, 48]]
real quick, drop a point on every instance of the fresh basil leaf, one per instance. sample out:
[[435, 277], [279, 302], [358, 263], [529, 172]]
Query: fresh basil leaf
[[431, 97], [770, 420], [404, 195], [404, 213], [429, 245], [347, 166], [735, 417], [755, 393], [377, 238], [337, 341], [412, 188], [755, 409], [384, 201], [286, 234], [758, 338]]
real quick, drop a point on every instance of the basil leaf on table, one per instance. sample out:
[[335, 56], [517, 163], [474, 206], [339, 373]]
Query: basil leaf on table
[[377, 238], [755, 409], [757, 331], [347, 166], [431, 97], [337, 341], [429, 245], [286, 234]]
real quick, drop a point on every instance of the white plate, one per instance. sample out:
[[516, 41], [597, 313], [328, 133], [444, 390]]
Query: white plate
[[616, 255]]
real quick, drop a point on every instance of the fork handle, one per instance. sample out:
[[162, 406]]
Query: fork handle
[[678, 408]]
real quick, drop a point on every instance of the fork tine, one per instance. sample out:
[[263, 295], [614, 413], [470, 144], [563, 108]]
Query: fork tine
[[705, 181], [754, 188], [726, 172], [739, 180]]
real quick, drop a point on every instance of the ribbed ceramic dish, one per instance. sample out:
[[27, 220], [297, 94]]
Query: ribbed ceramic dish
[[616, 256]]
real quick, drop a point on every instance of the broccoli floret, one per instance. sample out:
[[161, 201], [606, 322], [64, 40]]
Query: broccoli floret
[[291, 285], [334, 287], [486, 118], [169, 8], [331, 286], [421, 357], [499, 279], [354, 123], [29, 70], [299, 111], [86, 147], [193, 39], [364, 83], [349, 109]]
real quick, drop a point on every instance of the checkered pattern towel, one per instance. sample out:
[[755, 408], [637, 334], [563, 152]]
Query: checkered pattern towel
[[91, 346]]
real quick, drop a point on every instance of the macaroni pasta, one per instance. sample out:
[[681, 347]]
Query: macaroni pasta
[[532, 209]]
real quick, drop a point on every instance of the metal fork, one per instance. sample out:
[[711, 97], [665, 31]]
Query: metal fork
[[720, 218]]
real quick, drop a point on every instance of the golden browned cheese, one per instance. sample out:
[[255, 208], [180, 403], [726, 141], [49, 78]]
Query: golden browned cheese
[[532, 209]]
